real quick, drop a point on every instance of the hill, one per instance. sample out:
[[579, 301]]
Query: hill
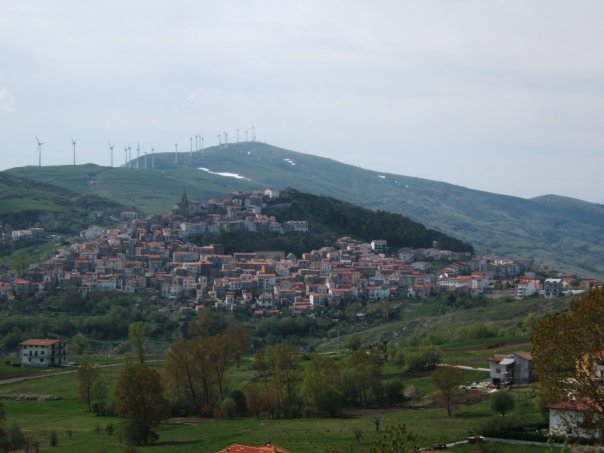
[[331, 215], [558, 232], [25, 203]]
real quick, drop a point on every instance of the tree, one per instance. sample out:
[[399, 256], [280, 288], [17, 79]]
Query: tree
[[353, 343], [78, 344], [568, 355], [88, 375], [447, 379], [138, 335], [502, 402], [139, 398], [396, 439]]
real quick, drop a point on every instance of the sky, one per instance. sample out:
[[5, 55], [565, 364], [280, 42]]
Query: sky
[[497, 95]]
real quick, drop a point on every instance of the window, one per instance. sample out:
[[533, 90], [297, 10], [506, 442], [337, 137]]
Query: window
[[41, 360]]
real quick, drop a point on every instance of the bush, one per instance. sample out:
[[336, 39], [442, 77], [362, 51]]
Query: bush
[[425, 359]]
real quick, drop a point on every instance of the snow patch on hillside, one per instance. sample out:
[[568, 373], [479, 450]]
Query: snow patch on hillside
[[224, 173]]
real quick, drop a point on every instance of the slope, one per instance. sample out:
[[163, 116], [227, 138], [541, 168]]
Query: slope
[[25, 203], [558, 232]]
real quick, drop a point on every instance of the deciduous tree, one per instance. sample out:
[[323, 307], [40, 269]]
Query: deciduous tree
[[396, 439], [138, 336], [88, 375], [568, 351], [447, 379], [502, 402], [139, 398]]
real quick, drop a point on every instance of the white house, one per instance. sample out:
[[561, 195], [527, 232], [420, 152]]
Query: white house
[[43, 353], [573, 419]]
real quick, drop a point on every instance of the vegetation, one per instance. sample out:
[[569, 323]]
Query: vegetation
[[502, 402], [139, 398], [557, 231], [447, 379], [568, 353]]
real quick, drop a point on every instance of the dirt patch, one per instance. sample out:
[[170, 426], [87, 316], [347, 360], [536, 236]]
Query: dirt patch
[[186, 421]]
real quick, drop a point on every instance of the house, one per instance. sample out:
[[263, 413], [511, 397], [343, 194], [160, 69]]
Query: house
[[552, 287], [512, 369], [268, 448], [43, 353], [574, 418]]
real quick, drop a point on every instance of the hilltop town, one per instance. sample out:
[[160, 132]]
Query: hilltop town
[[158, 255]]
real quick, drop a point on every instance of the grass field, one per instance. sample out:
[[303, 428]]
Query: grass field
[[80, 431]]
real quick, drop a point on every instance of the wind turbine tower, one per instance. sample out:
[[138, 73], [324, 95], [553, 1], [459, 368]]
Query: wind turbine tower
[[237, 135], [73, 142], [129, 157], [152, 162], [226, 138], [202, 143], [246, 135], [176, 153], [111, 154], [145, 160], [125, 156], [253, 133], [191, 139], [138, 153], [39, 151]]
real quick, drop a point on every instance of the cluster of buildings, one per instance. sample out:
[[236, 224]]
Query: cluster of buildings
[[156, 255]]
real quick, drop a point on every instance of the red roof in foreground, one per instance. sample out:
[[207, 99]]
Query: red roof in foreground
[[576, 405], [39, 342], [245, 449]]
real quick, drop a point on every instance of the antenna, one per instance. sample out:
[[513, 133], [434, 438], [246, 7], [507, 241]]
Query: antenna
[[39, 151], [73, 142], [176, 153], [138, 153], [111, 153]]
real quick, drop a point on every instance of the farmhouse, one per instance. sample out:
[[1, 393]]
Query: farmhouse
[[516, 368], [43, 353], [575, 419]]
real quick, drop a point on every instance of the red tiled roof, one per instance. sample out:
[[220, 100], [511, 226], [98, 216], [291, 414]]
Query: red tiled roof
[[245, 449], [580, 406], [39, 342], [524, 355]]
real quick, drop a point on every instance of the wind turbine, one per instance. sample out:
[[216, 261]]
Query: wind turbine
[[253, 133], [111, 154], [152, 162], [145, 160], [226, 138], [202, 143], [138, 153], [246, 135], [125, 156], [237, 135], [191, 139], [219, 140], [73, 142], [39, 151], [176, 153], [129, 157]]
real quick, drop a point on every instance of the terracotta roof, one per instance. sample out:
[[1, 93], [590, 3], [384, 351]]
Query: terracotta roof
[[524, 355], [580, 406], [39, 342], [245, 449], [497, 358]]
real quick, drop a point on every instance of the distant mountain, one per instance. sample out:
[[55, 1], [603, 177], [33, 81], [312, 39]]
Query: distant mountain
[[558, 232], [25, 203]]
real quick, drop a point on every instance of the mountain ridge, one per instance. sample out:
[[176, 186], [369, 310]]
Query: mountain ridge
[[559, 232]]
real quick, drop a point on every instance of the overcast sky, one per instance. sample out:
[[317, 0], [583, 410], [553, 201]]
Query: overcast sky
[[505, 96]]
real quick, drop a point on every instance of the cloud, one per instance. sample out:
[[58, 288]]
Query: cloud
[[7, 101]]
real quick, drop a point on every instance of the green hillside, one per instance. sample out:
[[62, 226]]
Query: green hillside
[[558, 232], [329, 214], [25, 203]]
